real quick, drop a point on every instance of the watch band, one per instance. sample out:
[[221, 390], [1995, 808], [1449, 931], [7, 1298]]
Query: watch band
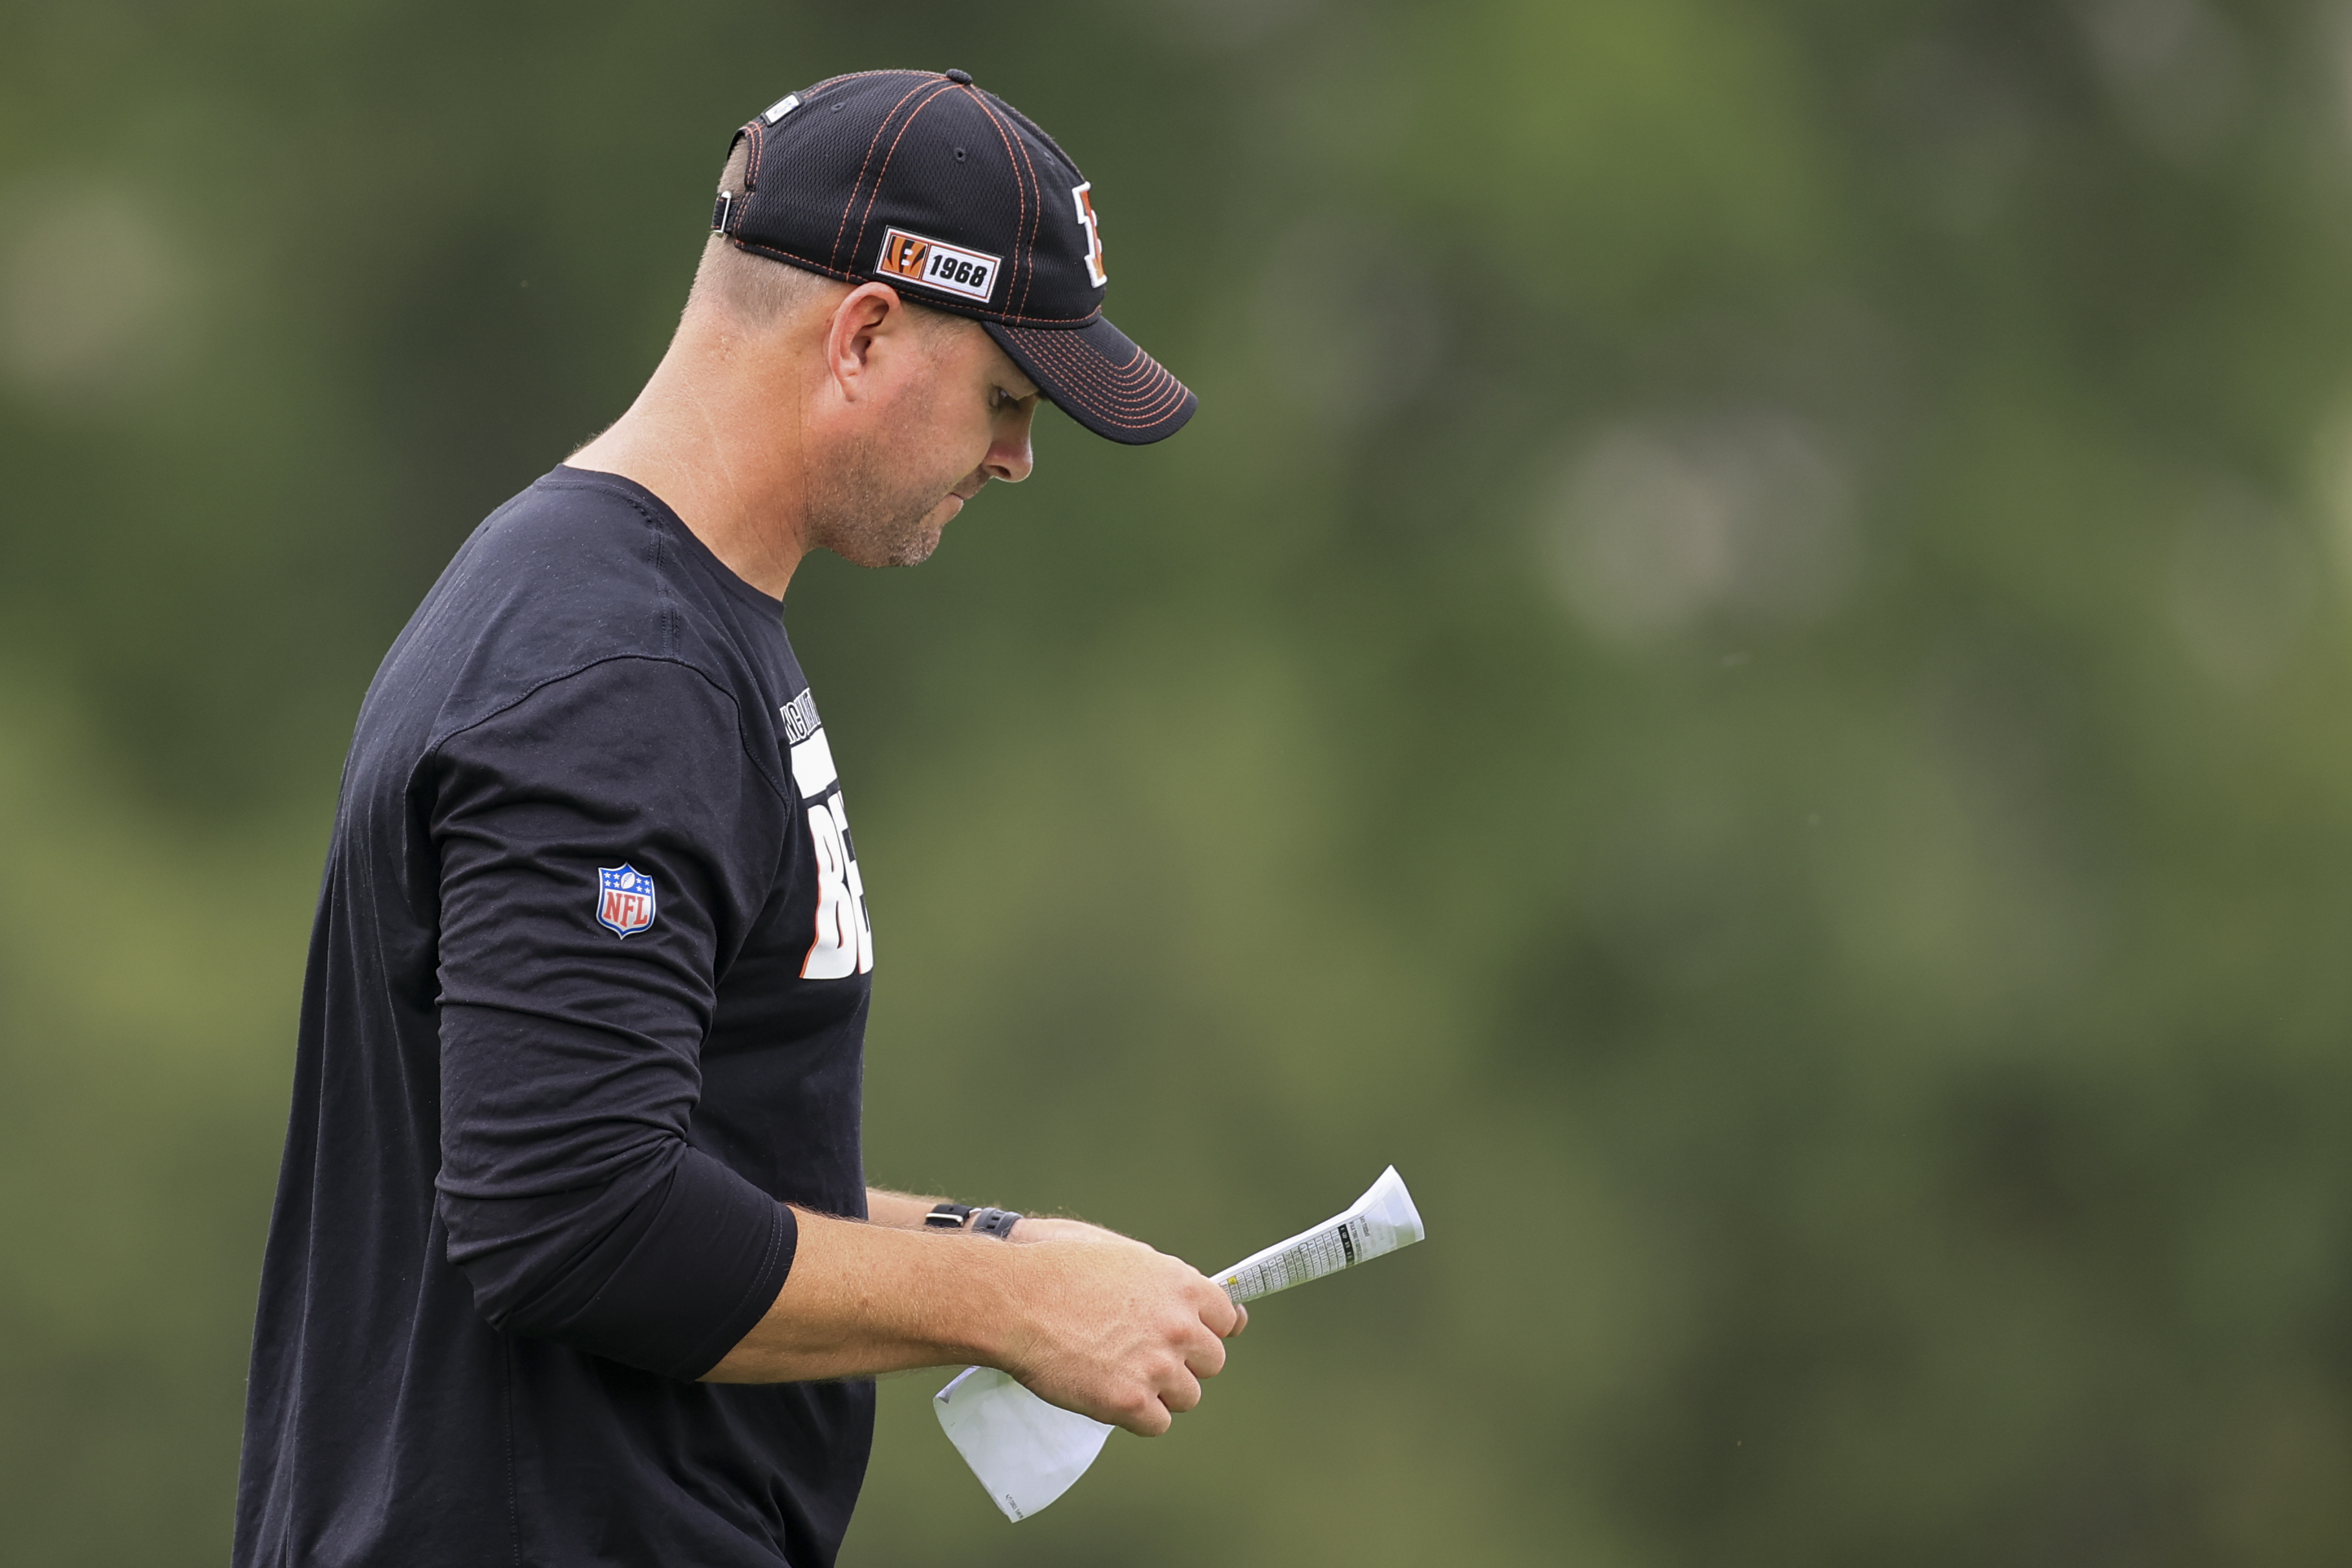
[[948, 1216], [996, 1222]]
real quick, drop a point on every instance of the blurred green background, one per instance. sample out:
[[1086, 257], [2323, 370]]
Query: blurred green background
[[1744, 671]]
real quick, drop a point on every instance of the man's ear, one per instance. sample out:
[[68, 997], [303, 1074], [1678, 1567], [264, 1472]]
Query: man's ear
[[864, 315]]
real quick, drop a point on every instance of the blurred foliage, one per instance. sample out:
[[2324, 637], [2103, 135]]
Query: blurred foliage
[[1743, 673]]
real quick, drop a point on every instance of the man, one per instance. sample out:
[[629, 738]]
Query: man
[[573, 1261]]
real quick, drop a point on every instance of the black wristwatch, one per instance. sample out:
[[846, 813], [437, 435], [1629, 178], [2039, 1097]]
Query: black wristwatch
[[996, 1222]]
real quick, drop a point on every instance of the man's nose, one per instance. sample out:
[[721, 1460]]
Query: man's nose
[[1010, 458]]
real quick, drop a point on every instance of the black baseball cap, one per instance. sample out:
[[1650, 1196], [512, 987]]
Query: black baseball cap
[[922, 181]]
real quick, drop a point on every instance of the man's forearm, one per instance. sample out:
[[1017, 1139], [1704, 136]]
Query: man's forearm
[[863, 1299], [1116, 1330], [891, 1294]]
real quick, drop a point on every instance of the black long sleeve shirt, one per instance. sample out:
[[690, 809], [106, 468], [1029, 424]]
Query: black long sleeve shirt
[[584, 1011]]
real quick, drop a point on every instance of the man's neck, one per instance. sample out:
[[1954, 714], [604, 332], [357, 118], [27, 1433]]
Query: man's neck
[[705, 437]]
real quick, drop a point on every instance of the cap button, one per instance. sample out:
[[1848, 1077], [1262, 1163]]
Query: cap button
[[964, 77]]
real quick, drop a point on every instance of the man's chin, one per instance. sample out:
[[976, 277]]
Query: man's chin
[[907, 543], [912, 547], [917, 546], [916, 550]]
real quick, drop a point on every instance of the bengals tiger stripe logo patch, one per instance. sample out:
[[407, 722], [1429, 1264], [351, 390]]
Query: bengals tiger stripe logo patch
[[935, 263]]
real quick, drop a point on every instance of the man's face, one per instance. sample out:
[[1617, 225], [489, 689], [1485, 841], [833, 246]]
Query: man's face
[[950, 412]]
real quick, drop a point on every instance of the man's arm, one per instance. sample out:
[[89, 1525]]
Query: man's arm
[[1121, 1333], [575, 1204]]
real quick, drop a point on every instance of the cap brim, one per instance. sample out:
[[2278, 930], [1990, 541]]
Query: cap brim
[[1098, 377]]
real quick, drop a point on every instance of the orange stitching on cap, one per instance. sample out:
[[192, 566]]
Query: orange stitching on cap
[[785, 256], [1133, 372], [835, 253], [752, 164], [1028, 247], [1136, 364], [1163, 390], [904, 126], [1039, 222], [1129, 411], [1152, 419], [1021, 214], [1096, 414], [1167, 393], [1044, 323], [1077, 345], [1123, 388]]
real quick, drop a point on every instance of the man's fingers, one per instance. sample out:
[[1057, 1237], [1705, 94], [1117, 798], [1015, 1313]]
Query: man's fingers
[[1223, 1314], [1183, 1393], [1148, 1418], [1207, 1358]]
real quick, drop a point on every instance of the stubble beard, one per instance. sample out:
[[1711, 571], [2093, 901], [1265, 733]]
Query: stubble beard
[[871, 513]]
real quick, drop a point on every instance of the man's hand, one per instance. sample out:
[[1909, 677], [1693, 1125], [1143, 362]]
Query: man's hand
[[1116, 1331], [1087, 1318]]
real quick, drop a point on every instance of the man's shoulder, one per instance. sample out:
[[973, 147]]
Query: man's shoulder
[[574, 573], [572, 563]]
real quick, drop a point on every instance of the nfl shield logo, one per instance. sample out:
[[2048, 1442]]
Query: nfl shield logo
[[624, 899]]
